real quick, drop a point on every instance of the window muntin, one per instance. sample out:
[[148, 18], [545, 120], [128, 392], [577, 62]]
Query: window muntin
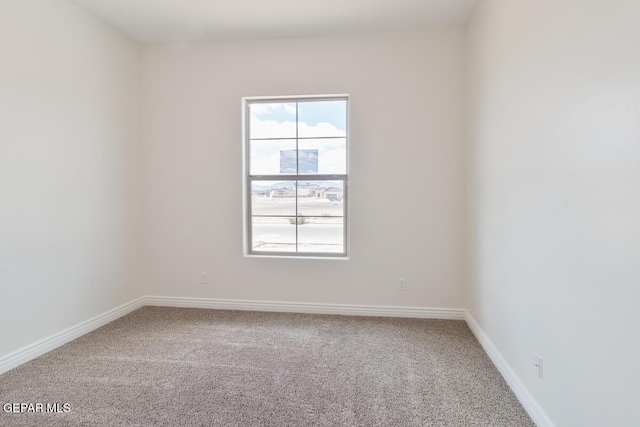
[[296, 176]]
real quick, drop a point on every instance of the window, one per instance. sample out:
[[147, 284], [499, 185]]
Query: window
[[296, 176]]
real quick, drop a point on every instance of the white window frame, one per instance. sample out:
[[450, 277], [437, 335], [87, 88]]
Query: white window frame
[[248, 179]]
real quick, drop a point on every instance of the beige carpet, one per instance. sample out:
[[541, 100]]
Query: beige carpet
[[190, 367]]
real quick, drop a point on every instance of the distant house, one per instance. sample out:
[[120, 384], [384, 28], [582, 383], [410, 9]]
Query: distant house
[[282, 192], [307, 189], [319, 193], [334, 194], [261, 193]]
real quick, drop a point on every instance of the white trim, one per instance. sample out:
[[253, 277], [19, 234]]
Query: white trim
[[529, 403], [289, 98], [248, 178], [301, 307], [45, 345]]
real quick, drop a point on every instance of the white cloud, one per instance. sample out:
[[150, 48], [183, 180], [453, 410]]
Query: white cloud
[[319, 130], [274, 129], [260, 109], [271, 128], [333, 161], [270, 107]]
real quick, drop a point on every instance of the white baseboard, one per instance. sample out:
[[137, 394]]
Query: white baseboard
[[529, 403], [300, 307], [45, 345], [30, 352]]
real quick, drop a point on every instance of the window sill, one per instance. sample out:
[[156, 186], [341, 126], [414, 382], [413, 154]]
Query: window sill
[[333, 258]]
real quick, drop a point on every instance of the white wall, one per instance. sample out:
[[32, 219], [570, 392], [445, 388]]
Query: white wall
[[70, 179], [554, 184], [407, 108], [553, 180]]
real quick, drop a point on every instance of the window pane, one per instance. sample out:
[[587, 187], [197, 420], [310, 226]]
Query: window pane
[[319, 234], [321, 198], [322, 118], [273, 157], [330, 155], [273, 234], [277, 198], [291, 142], [272, 120]]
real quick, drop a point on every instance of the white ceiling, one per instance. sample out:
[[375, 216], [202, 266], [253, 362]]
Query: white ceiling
[[187, 21]]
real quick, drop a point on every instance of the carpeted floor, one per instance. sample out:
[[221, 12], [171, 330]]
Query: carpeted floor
[[191, 367]]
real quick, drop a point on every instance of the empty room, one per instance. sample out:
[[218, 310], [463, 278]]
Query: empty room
[[320, 213]]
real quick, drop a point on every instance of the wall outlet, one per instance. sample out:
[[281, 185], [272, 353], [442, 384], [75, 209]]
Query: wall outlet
[[538, 365], [402, 284], [204, 278]]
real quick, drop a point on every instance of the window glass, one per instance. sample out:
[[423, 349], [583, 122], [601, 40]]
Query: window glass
[[297, 177]]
